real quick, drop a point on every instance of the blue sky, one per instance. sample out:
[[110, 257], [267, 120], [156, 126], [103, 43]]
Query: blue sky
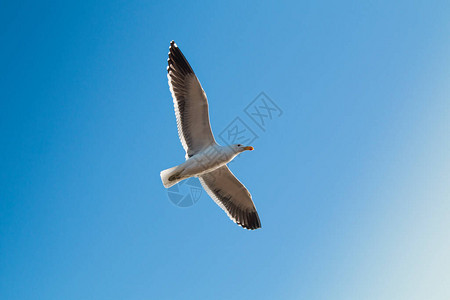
[[351, 182]]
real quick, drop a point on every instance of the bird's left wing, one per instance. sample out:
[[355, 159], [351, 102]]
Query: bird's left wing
[[232, 196], [190, 102]]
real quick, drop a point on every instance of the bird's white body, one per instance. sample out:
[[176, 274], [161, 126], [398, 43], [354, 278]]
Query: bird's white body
[[207, 160]]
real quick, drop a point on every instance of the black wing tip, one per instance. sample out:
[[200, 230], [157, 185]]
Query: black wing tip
[[249, 228], [252, 222], [177, 61]]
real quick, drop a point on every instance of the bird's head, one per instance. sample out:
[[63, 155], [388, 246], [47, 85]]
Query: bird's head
[[241, 148]]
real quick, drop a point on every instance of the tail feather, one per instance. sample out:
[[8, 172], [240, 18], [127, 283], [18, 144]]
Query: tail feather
[[170, 177]]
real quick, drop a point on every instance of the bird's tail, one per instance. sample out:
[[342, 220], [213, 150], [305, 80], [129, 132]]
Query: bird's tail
[[171, 176]]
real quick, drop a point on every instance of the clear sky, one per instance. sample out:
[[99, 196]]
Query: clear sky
[[351, 182]]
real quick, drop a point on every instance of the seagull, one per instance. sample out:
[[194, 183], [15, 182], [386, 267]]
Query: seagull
[[205, 159]]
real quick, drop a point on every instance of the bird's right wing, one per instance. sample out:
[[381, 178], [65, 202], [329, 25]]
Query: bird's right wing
[[190, 102], [232, 196]]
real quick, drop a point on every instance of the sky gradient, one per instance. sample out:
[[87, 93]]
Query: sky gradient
[[351, 182]]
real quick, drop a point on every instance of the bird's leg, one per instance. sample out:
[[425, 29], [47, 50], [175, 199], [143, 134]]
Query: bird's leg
[[177, 175]]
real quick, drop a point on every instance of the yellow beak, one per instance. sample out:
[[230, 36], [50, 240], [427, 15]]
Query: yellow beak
[[249, 148]]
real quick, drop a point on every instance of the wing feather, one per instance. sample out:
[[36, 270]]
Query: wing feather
[[232, 196], [190, 103]]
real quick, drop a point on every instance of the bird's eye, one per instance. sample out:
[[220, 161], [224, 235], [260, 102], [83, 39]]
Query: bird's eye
[[239, 145]]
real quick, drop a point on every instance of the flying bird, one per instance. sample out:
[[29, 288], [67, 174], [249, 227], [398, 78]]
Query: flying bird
[[205, 159]]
